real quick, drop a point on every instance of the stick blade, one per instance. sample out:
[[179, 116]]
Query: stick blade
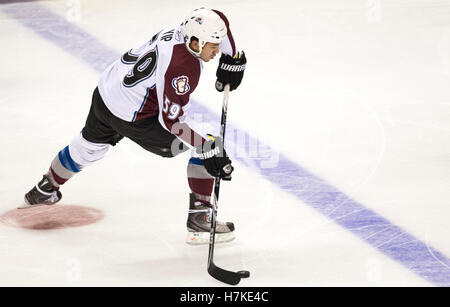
[[225, 276]]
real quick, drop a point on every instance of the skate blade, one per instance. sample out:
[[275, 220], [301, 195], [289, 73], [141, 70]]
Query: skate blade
[[26, 205], [202, 238]]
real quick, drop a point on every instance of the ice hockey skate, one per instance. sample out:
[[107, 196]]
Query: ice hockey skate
[[42, 193], [199, 225]]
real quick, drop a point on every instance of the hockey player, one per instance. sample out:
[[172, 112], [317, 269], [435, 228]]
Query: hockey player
[[144, 96]]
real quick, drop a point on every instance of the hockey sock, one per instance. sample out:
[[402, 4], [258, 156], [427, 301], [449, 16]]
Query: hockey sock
[[62, 168], [73, 158], [200, 182]]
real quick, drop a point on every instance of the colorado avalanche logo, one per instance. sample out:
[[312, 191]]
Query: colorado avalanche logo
[[199, 20], [181, 85]]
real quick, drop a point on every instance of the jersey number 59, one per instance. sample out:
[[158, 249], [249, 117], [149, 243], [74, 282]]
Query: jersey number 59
[[171, 108]]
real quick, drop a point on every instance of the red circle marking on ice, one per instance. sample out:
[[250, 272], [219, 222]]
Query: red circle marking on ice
[[51, 217]]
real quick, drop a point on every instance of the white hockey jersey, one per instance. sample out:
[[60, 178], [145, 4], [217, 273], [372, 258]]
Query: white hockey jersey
[[156, 79]]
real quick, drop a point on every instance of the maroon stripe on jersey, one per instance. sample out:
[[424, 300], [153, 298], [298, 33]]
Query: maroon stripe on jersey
[[183, 67], [230, 36], [201, 186], [150, 105], [58, 179]]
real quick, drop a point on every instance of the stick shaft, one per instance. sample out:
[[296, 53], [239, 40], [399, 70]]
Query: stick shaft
[[223, 123]]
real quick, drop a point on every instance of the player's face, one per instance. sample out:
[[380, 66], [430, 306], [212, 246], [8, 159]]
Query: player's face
[[209, 51]]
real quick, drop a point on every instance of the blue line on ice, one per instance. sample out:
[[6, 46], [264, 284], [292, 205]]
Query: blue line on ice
[[370, 227]]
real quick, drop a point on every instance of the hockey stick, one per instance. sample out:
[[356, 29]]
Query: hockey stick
[[228, 277]]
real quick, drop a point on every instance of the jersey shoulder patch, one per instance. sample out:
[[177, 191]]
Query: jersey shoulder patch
[[181, 85], [182, 75]]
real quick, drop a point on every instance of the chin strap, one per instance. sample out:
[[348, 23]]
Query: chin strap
[[196, 54]]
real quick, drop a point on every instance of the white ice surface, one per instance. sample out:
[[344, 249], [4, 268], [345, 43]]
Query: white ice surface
[[366, 97]]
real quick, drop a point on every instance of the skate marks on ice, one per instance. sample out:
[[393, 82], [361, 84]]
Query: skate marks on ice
[[290, 177], [51, 217], [61, 32]]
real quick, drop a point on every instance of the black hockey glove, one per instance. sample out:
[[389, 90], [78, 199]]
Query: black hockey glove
[[230, 70], [215, 159]]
